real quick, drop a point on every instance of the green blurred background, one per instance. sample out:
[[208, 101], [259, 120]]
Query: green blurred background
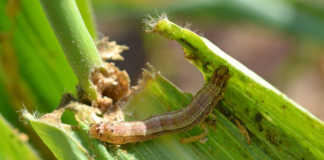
[[281, 40]]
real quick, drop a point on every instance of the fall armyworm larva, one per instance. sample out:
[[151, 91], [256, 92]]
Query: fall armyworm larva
[[181, 120]]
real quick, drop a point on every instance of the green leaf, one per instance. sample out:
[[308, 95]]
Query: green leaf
[[284, 129], [12, 147], [33, 70], [225, 140], [32, 57], [253, 121], [67, 141], [85, 9], [158, 96]]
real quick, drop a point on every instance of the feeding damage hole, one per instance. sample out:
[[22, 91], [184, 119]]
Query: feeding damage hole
[[112, 86], [111, 83]]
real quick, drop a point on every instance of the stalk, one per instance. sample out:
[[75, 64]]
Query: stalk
[[75, 40]]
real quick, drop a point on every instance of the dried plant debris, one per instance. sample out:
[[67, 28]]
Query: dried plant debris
[[112, 85], [110, 50], [83, 113], [147, 75], [113, 88], [115, 92]]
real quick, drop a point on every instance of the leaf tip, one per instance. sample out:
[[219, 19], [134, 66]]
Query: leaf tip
[[150, 22]]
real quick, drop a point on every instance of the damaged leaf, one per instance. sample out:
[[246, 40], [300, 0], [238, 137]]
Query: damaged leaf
[[254, 121]]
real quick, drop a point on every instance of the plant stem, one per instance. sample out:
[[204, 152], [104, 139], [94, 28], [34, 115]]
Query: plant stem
[[85, 8], [73, 36]]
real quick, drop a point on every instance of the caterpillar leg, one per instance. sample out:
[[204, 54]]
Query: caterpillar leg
[[201, 137], [243, 131]]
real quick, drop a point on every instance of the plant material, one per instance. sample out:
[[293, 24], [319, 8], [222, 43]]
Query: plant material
[[269, 116], [14, 144], [78, 46], [121, 132]]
